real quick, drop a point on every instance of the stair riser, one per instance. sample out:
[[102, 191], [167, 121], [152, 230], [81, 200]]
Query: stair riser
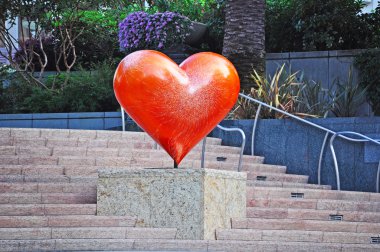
[[47, 209], [316, 204], [295, 236], [49, 198], [65, 221], [305, 225], [86, 233], [119, 152], [310, 214], [49, 170], [81, 134], [286, 185], [284, 193], [112, 143]]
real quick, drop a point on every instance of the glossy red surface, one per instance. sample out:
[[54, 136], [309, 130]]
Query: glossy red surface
[[176, 105]]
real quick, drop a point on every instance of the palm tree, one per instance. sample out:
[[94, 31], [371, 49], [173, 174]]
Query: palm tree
[[244, 38]]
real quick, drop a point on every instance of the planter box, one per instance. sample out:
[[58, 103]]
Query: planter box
[[195, 201]]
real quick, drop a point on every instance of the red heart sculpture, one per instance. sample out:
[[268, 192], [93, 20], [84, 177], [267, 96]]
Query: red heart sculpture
[[176, 106]]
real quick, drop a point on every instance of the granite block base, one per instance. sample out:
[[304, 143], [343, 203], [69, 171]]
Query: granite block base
[[195, 201]]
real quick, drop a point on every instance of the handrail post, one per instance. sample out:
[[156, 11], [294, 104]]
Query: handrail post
[[321, 157], [122, 119], [203, 152], [378, 179], [254, 130], [335, 161]]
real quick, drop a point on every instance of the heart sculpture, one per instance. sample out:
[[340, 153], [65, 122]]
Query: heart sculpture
[[176, 106]]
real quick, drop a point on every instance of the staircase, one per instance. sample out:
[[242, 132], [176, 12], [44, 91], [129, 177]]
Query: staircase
[[48, 181]]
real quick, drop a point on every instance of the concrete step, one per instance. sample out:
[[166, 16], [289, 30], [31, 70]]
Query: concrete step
[[50, 187], [68, 161], [121, 152], [46, 209], [286, 185], [265, 192], [178, 245], [311, 214], [317, 204], [66, 221], [79, 170], [45, 178], [86, 233], [305, 225], [28, 141], [295, 236], [48, 198], [81, 134], [263, 176]]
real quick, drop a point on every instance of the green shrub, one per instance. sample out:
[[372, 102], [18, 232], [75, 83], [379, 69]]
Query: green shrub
[[309, 25], [85, 91], [368, 64]]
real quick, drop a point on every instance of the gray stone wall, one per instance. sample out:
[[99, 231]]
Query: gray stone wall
[[297, 145], [322, 66]]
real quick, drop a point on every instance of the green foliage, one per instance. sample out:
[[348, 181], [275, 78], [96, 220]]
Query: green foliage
[[313, 99], [308, 25], [210, 12], [85, 91], [294, 94], [347, 97], [368, 64]]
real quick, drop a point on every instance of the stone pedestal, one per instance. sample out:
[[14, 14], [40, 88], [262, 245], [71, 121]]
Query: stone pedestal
[[195, 201]]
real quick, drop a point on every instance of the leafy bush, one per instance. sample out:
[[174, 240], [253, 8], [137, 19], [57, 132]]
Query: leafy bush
[[305, 25], [140, 30], [85, 91], [368, 64]]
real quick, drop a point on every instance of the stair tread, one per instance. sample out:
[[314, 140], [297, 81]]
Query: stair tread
[[307, 225], [294, 235], [86, 233], [285, 184], [178, 245], [318, 204], [309, 193], [46, 209]]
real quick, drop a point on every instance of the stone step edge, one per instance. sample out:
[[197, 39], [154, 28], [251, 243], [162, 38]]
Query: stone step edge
[[278, 235], [176, 245], [86, 134], [285, 184], [66, 221], [311, 190], [239, 221], [111, 232]]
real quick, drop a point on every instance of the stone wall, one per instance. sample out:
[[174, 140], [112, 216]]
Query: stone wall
[[323, 66], [297, 145]]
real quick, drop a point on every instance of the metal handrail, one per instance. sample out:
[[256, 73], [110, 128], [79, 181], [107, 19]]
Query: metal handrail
[[228, 130], [328, 132], [363, 139], [204, 141]]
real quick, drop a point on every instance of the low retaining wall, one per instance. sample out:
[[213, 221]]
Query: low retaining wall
[[298, 146], [95, 120]]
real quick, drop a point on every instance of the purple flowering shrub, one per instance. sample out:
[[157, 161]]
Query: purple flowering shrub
[[140, 30]]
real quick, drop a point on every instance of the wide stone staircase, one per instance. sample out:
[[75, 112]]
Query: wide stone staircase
[[48, 183]]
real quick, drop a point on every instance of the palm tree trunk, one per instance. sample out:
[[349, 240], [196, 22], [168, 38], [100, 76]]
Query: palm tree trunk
[[244, 38]]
